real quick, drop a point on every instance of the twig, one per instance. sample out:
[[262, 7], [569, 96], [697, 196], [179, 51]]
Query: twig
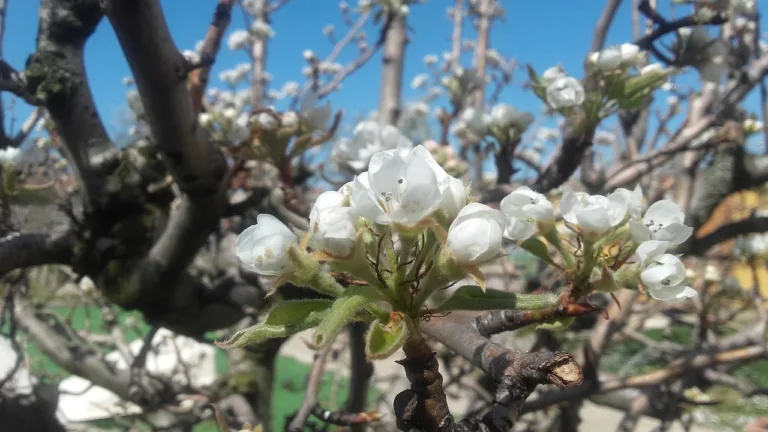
[[198, 79], [313, 387]]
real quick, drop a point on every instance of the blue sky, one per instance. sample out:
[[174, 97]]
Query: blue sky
[[542, 33]]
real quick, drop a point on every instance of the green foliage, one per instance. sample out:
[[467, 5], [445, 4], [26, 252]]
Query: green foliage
[[384, 340], [472, 297], [287, 318], [538, 249], [342, 312]]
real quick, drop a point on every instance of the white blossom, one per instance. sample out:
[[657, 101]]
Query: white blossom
[[476, 121], [230, 113], [430, 59], [262, 30], [523, 209], [506, 116], [316, 116], [615, 57], [263, 247], [652, 68], [328, 29], [266, 121], [290, 89], [289, 119], [565, 92], [333, 225], [238, 39], [9, 154], [707, 54], [453, 191], [368, 138], [662, 221], [593, 214], [552, 74], [397, 188], [663, 274], [419, 81], [475, 236], [205, 119]]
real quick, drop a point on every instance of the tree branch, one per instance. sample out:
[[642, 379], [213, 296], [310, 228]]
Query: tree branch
[[198, 78], [393, 61], [56, 74], [30, 250]]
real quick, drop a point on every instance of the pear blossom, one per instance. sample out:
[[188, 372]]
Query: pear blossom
[[662, 221], [289, 119], [205, 119], [454, 193], [238, 39], [369, 137], [266, 121], [476, 121], [652, 68], [9, 154], [615, 57], [662, 274], [565, 92], [475, 236], [552, 74], [316, 116], [419, 81], [430, 59], [522, 209], [506, 116], [594, 214], [263, 247], [290, 89], [333, 225], [398, 188], [262, 30]]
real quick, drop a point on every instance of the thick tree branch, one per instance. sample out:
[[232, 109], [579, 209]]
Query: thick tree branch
[[29, 250], [56, 74], [160, 74], [393, 61], [568, 155]]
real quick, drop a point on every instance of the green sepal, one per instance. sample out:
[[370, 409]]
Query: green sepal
[[384, 340]]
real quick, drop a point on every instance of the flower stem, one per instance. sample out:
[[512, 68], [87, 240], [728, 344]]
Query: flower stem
[[553, 237]]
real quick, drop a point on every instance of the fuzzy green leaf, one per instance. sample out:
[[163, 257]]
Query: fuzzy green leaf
[[384, 340], [285, 319], [472, 297], [538, 249], [344, 310]]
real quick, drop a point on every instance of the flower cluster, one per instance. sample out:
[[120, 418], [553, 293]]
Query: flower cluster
[[503, 122], [405, 229]]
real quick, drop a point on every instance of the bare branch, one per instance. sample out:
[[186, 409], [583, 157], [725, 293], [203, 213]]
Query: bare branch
[[604, 24], [29, 250], [198, 78], [393, 60]]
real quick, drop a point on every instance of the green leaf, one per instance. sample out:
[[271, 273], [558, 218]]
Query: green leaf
[[286, 319], [634, 102], [384, 340], [538, 249], [537, 85], [344, 310], [294, 312], [472, 297], [556, 324], [369, 292], [532, 75]]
